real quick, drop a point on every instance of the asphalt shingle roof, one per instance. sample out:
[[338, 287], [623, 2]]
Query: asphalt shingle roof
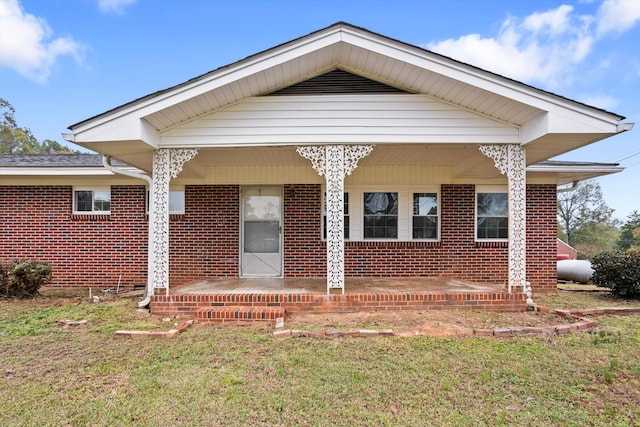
[[53, 160]]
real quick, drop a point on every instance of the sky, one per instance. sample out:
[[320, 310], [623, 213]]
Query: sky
[[63, 61]]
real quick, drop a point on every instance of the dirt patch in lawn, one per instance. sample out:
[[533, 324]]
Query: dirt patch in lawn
[[407, 319]]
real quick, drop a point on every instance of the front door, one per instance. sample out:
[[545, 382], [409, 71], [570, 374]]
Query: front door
[[261, 247]]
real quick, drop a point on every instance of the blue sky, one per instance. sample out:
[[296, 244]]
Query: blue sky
[[62, 61]]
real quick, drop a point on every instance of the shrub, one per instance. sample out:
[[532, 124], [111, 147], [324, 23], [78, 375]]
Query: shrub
[[618, 271], [23, 278]]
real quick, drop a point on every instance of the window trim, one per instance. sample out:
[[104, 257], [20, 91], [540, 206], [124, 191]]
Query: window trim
[[397, 216], [437, 216], [405, 211], [323, 231], [93, 190], [172, 189], [484, 189]]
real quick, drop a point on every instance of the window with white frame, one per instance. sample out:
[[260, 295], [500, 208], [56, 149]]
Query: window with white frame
[[176, 201], [425, 216], [492, 215], [346, 216], [380, 215], [92, 200], [383, 212]]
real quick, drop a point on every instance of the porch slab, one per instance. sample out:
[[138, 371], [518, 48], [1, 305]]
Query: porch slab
[[298, 295], [353, 285]]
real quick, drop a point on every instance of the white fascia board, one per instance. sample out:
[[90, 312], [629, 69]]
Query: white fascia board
[[601, 169], [54, 171], [61, 171], [216, 79], [479, 78], [534, 129], [118, 129]]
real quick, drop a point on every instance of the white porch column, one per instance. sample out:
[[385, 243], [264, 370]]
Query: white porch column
[[510, 160], [334, 162], [167, 164]]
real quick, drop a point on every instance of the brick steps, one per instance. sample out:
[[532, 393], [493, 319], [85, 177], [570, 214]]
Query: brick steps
[[264, 306], [238, 313]]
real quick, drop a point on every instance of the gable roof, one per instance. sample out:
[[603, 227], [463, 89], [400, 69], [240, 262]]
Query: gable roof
[[548, 124]]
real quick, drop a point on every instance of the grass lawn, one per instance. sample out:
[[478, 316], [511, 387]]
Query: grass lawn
[[239, 375]]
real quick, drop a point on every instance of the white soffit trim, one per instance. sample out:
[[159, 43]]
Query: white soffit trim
[[596, 168], [57, 171]]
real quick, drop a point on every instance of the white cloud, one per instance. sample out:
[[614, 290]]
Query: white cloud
[[114, 6], [543, 47], [30, 50], [553, 21], [616, 16], [540, 48]]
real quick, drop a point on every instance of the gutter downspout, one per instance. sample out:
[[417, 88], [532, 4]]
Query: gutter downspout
[[148, 291], [574, 185]]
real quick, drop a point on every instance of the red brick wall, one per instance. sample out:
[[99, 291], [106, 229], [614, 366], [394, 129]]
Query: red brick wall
[[204, 242], [542, 233], [91, 251], [457, 255], [305, 254]]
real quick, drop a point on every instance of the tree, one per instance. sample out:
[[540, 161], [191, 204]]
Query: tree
[[586, 220], [630, 232], [18, 140]]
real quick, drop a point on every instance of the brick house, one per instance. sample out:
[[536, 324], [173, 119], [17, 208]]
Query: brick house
[[343, 153]]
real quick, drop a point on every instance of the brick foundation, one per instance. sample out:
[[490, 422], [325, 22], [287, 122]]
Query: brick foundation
[[189, 305]]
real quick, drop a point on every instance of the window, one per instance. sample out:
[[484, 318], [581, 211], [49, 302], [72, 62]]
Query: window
[[425, 216], [346, 216], [492, 216], [96, 200], [176, 202], [380, 215]]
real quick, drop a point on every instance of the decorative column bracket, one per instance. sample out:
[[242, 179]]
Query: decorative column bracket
[[335, 162], [167, 164], [510, 160]]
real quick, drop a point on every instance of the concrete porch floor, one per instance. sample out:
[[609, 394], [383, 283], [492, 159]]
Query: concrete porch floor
[[353, 285]]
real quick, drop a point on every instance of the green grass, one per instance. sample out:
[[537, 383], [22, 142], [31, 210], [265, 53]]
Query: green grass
[[239, 375]]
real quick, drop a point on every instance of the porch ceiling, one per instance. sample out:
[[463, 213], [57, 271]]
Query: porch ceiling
[[463, 164], [463, 161]]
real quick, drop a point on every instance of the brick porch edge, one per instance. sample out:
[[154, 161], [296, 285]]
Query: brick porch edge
[[438, 329]]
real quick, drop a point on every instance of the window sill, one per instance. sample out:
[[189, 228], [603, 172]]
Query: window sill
[[492, 244], [396, 243], [90, 216]]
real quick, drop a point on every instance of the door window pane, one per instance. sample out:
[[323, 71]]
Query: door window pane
[[261, 237]]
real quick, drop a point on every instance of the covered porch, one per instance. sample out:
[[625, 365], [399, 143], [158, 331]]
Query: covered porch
[[232, 299]]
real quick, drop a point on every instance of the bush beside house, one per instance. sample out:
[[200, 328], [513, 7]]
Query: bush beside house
[[618, 271], [23, 278]]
